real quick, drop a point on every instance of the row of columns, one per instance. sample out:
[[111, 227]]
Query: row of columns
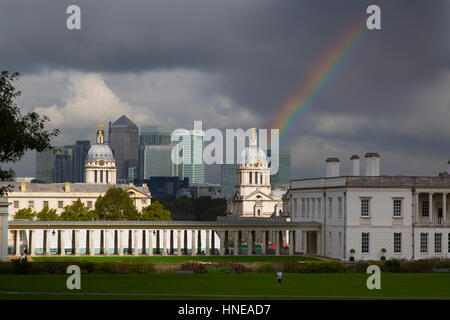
[[196, 243]]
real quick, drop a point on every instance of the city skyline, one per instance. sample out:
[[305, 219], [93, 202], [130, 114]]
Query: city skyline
[[240, 72]]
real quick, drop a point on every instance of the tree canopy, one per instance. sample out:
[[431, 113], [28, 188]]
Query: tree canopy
[[77, 212], [116, 204], [47, 214], [25, 214], [156, 212], [18, 133], [200, 209]]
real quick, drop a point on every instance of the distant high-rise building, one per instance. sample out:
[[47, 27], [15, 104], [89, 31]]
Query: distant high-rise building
[[44, 165], [79, 157], [192, 166], [157, 162], [62, 165], [282, 178], [228, 180], [151, 135], [154, 135], [124, 141]]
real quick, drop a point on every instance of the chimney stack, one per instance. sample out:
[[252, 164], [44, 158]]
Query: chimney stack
[[23, 186], [355, 165], [332, 167], [372, 164], [67, 187]]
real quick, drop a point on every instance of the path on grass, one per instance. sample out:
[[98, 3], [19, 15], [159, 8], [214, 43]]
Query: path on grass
[[118, 294]]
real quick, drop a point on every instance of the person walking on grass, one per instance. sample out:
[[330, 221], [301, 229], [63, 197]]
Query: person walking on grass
[[279, 275]]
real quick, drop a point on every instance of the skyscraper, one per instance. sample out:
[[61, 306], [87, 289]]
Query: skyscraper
[[228, 180], [62, 164], [44, 165], [191, 152], [124, 141], [158, 162], [282, 178], [79, 156], [151, 135]]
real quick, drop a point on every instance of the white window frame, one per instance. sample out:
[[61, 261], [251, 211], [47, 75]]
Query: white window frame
[[397, 243], [423, 243], [319, 207], [363, 246], [340, 208], [330, 207], [427, 202], [438, 244], [368, 207], [394, 200]]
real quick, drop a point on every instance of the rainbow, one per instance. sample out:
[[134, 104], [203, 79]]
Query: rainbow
[[318, 79]]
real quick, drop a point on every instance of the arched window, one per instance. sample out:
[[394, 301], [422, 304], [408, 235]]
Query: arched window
[[95, 176], [101, 176], [107, 178], [250, 177]]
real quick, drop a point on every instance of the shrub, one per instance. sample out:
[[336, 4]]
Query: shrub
[[266, 268], [321, 267], [224, 267], [392, 265]]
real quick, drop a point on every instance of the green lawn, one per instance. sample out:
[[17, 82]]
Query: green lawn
[[179, 259], [228, 286]]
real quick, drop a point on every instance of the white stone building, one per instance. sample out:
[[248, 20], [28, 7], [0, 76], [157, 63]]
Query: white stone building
[[253, 196], [407, 216]]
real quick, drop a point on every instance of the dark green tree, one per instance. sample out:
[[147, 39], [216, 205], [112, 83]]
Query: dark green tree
[[116, 204], [156, 212], [77, 212], [25, 214], [47, 214], [18, 133]]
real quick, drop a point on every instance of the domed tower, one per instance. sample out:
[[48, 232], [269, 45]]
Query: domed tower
[[100, 166], [253, 173]]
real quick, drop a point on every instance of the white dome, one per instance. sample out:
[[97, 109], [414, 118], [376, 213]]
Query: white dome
[[100, 151]]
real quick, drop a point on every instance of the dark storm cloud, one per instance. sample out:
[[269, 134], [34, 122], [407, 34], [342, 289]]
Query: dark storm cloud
[[262, 51]]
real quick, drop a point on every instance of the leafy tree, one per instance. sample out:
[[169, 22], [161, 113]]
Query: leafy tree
[[25, 214], [18, 133], [202, 208], [116, 204], [156, 212], [47, 214], [77, 212]]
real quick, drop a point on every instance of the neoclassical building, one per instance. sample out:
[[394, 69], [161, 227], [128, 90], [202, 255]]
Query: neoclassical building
[[100, 165], [253, 196]]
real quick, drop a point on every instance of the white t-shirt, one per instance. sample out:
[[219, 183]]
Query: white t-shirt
[[279, 274]]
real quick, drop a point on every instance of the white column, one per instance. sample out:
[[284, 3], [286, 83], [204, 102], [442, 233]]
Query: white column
[[91, 243], [164, 242], [4, 230], [235, 243], [106, 233], [444, 207], [430, 206], [222, 243], [264, 242], [136, 243], [291, 242], [193, 242], [62, 239], [17, 243], [250, 243], [77, 242], [120, 242], [208, 232], [33, 240], [47, 242], [178, 242], [150, 242]]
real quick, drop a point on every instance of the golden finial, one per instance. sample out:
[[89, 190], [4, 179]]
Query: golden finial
[[100, 126]]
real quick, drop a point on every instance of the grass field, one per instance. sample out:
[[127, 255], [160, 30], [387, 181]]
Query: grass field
[[226, 286], [180, 259]]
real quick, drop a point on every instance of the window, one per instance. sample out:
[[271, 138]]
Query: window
[[448, 243], [89, 204], [425, 208], [73, 202], [397, 207], [365, 242], [319, 208], [308, 207], [303, 207], [251, 176], [438, 243], [295, 207], [95, 176], [31, 204], [60, 204], [340, 207], [330, 239], [313, 210], [101, 176], [45, 204], [330, 207], [340, 241], [364, 207], [423, 242], [107, 178], [261, 179], [397, 242], [16, 204]]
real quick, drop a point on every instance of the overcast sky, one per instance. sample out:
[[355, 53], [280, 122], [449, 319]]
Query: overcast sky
[[232, 64]]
